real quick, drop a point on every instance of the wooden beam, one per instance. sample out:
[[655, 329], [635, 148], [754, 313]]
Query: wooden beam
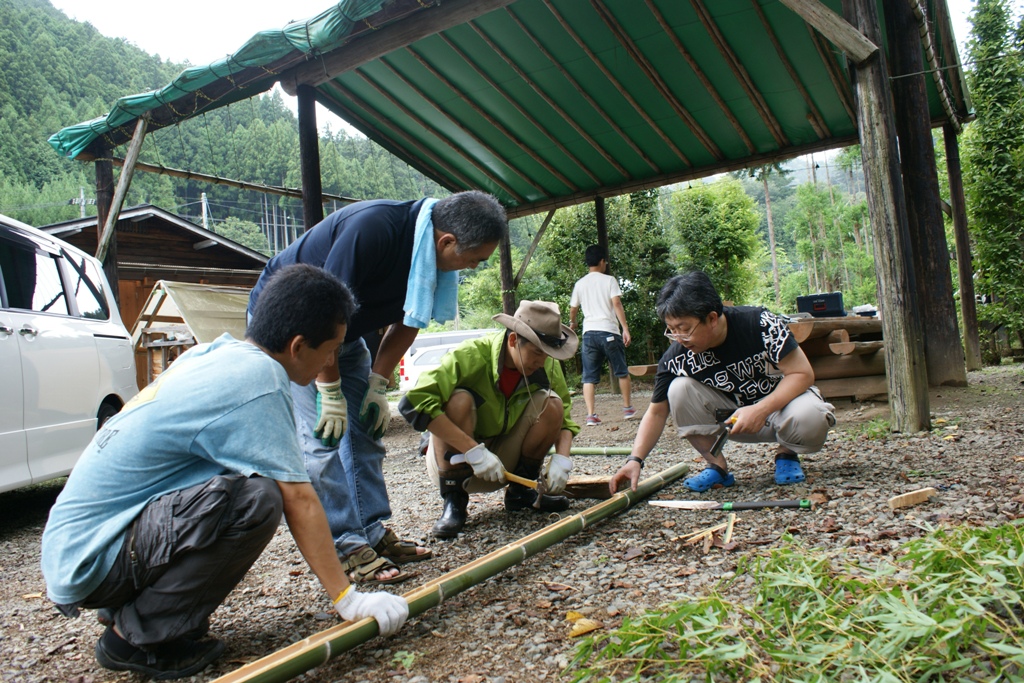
[[533, 247], [857, 348], [857, 388], [415, 116], [510, 134], [566, 116], [616, 84], [309, 159], [964, 267], [498, 157], [741, 74], [944, 355], [850, 365], [454, 180], [845, 36], [387, 39], [835, 73], [508, 293], [104, 199], [894, 267], [656, 80], [681, 176], [123, 182], [583, 92], [514, 102], [814, 116], [701, 76]]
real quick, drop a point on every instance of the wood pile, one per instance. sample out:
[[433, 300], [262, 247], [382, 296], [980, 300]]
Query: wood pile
[[847, 354]]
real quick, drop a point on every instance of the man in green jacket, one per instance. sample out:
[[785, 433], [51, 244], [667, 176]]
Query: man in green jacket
[[497, 404]]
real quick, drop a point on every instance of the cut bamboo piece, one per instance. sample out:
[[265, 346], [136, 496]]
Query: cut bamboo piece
[[317, 649], [728, 529], [912, 498]]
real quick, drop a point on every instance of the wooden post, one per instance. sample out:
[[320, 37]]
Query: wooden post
[[894, 266], [104, 197], [602, 240], [123, 182], [309, 158], [944, 355], [968, 304], [508, 292], [602, 224]]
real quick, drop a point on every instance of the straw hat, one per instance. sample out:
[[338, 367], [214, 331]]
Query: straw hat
[[540, 322]]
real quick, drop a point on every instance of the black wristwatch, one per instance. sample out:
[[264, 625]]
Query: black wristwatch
[[634, 458]]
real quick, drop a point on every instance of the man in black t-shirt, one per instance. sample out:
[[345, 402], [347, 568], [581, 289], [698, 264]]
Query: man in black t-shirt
[[740, 358]]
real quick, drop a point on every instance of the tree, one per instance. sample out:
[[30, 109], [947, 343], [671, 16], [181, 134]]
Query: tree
[[762, 173], [716, 226], [994, 163]]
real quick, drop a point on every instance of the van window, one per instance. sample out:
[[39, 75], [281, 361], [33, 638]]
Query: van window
[[31, 279], [86, 288]]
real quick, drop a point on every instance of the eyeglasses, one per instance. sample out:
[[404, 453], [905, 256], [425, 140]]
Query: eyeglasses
[[682, 336]]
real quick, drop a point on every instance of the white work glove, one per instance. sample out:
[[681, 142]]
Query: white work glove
[[389, 610], [375, 412], [556, 473], [486, 465], [331, 413]]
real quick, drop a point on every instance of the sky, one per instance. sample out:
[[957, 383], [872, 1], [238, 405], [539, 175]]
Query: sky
[[203, 31]]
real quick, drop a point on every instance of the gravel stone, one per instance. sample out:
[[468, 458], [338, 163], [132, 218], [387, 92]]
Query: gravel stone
[[513, 627]]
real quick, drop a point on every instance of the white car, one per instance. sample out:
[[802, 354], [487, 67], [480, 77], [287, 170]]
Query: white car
[[426, 351], [66, 357]]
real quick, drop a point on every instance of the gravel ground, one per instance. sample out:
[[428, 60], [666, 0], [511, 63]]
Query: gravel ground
[[513, 627]]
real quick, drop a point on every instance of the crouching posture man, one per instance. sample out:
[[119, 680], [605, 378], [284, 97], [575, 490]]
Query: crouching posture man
[[179, 493], [498, 403], [738, 359]]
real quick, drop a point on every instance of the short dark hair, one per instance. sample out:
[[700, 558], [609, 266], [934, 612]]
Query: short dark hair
[[688, 295], [300, 300], [475, 218], [594, 254]]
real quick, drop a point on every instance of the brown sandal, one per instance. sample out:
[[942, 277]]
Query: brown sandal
[[399, 551], [363, 565]]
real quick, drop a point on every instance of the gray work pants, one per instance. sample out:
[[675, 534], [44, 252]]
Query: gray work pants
[[801, 426], [184, 554]]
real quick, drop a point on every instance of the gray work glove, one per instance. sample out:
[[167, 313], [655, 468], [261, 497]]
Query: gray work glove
[[389, 610], [331, 413], [486, 465], [556, 473], [375, 411]]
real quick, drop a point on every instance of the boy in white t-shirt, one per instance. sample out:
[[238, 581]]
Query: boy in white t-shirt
[[601, 299]]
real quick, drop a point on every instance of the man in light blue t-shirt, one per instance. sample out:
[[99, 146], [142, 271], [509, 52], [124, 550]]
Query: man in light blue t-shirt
[[179, 493]]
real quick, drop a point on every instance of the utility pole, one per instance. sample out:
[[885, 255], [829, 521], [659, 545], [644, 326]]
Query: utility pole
[[206, 212], [81, 201]]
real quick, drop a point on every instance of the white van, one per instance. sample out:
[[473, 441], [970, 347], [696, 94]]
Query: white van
[[66, 357], [426, 351]]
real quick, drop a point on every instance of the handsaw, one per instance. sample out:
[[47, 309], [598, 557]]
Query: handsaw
[[802, 504]]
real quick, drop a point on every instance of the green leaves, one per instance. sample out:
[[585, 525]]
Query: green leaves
[[950, 610]]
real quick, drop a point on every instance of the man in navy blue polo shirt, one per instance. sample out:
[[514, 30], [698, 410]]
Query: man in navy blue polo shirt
[[400, 259]]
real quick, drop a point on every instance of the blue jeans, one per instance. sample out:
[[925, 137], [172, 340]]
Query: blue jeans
[[597, 346], [349, 477]]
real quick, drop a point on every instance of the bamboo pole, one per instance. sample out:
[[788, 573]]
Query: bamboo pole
[[324, 646]]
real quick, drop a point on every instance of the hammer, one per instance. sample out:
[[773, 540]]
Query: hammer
[[723, 416]]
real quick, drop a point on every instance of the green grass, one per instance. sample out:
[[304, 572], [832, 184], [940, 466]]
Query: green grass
[[950, 610], [878, 429]]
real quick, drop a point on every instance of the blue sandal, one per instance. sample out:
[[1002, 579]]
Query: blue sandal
[[708, 479], [788, 472]]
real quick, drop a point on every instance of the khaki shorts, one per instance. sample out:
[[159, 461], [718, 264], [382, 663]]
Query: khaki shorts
[[508, 447]]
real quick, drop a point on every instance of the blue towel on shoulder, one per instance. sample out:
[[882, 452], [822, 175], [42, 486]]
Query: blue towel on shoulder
[[430, 293]]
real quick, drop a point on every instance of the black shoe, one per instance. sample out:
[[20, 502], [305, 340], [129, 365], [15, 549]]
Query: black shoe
[[454, 515], [105, 615], [519, 497], [176, 659]]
